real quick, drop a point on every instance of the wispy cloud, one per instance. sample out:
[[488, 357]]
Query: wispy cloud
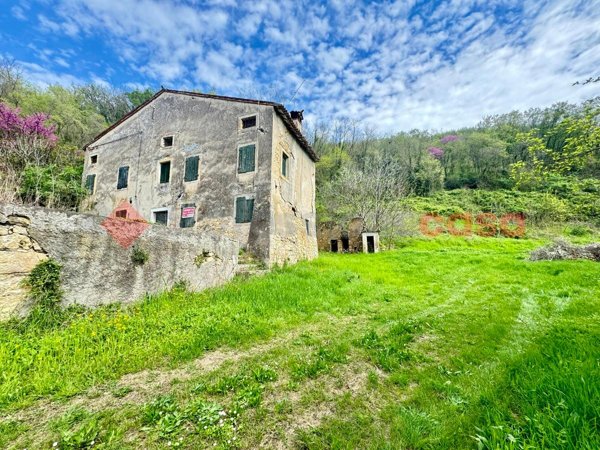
[[395, 66]]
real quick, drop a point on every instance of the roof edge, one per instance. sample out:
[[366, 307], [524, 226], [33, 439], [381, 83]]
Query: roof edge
[[279, 108]]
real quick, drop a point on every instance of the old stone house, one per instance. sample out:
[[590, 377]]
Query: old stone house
[[238, 167]]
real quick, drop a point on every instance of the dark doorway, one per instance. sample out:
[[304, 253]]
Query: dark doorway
[[345, 244], [370, 244], [334, 245]]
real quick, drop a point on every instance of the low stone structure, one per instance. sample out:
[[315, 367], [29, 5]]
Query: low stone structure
[[98, 269], [332, 237]]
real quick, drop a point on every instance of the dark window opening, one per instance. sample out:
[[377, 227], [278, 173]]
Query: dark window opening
[[307, 222], [188, 215], [284, 165], [121, 214], [244, 208], [90, 182], [191, 168], [370, 244], [249, 122], [165, 171], [334, 245], [246, 158], [345, 244], [94, 159], [123, 177], [161, 217], [167, 141]]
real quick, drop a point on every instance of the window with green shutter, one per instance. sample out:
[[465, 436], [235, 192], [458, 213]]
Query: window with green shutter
[[90, 182], [123, 177], [246, 158], [191, 168], [165, 171], [244, 208], [285, 161]]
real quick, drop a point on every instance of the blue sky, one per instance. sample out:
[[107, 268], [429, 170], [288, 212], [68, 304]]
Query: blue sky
[[391, 66]]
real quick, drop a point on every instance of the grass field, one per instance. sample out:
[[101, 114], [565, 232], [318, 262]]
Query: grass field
[[445, 343]]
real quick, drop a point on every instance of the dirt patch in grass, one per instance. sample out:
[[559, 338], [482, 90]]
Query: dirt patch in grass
[[140, 387], [322, 393]]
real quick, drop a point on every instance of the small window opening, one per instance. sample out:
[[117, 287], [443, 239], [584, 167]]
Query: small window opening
[[161, 217], [94, 159], [167, 141], [121, 214], [334, 245], [165, 171], [284, 165], [307, 223], [249, 122]]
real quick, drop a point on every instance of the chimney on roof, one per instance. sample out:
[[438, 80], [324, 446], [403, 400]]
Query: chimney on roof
[[297, 118]]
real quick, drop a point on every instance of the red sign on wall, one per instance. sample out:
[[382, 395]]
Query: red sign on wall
[[188, 212]]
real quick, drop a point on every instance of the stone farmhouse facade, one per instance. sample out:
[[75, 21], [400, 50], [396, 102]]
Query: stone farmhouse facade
[[237, 167]]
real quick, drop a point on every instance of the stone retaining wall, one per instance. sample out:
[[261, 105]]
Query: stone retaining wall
[[97, 268]]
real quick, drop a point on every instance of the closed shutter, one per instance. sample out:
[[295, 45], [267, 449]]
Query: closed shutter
[[244, 207], [165, 172], [249, 209], [246, 159], [90, 181], [191, 168], [240, 210], [123, 177]]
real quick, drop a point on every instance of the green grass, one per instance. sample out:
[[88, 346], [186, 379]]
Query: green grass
[[444, 343]]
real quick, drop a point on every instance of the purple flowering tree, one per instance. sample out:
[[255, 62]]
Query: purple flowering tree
[[449, 138], [24, 141], [436, 152]]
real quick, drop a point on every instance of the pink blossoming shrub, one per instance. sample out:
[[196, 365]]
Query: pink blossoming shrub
[[25, 141], [12, 124], [436, 152], [449, 138]]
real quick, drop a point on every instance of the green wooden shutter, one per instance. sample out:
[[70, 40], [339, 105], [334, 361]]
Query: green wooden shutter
[[246, 158], [240, 208], [191, 168], [249, 209], [165, 171], [123, 177], [90, 181]]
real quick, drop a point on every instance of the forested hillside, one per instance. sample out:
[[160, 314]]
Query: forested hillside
[[544, 163]]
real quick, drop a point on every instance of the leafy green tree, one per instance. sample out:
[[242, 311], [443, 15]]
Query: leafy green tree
[[137, 97], [106, 101]]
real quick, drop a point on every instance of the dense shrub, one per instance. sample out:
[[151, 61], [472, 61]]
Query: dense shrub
[[538, 207]]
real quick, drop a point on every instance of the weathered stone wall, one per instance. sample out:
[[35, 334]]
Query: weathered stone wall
[[95, 268], [293, 234], [19, 254], [203, 127]]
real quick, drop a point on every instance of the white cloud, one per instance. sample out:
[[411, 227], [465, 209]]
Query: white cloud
[[442, 66], [18, 12]]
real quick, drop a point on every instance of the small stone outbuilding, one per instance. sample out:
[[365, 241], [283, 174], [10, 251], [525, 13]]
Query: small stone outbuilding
[[333, 237]]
